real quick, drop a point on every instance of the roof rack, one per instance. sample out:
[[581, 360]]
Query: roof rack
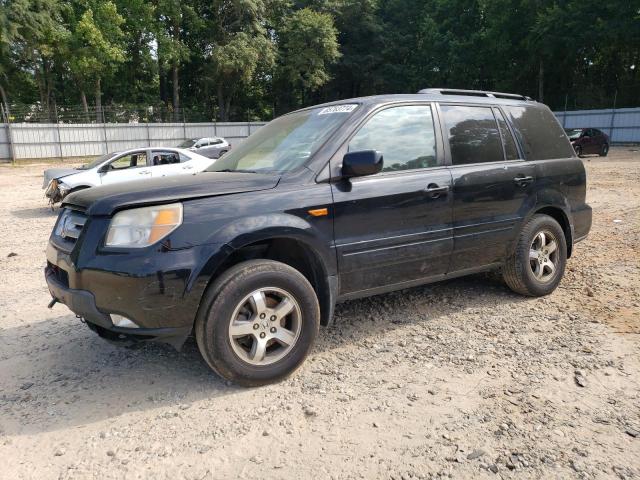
[[475, 93]]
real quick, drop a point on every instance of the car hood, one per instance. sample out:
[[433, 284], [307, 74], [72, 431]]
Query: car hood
[[105, 200], [52, 173]]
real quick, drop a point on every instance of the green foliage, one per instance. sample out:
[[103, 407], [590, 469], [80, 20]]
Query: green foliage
[[308, 46], [96, 42], [240, 59]]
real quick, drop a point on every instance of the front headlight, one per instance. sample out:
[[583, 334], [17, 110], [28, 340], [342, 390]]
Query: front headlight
[[141, 227]]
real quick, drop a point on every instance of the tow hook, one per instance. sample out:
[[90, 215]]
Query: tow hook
[[52, 302]]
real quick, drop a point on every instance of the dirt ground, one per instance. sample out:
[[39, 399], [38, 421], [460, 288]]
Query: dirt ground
[[454, 380]]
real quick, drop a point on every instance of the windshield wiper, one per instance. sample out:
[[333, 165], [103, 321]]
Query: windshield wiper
[[234, 171]]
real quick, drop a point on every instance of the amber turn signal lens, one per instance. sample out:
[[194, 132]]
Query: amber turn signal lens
[[319, 212], [165, 221]]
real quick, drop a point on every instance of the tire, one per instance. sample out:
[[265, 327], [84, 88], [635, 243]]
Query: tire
[[534, 277], [579, 151], [228, 306], [604, 150]]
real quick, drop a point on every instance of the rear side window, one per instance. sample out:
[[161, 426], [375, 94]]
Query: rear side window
[[509, 144], [540, 134], [404, 135], [473, 134]]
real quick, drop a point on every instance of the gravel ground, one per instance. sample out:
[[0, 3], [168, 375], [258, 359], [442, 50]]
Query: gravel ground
[[451, 380]]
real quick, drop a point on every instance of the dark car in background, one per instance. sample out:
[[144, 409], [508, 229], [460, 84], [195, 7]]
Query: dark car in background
[[588, 141], [322, 205], [210, 147]]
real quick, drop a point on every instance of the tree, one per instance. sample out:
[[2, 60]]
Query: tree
[[175, 18], [238, 48], [307, 47], [96, 47], [31, 38]]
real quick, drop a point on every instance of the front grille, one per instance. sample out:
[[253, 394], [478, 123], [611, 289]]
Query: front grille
[[69, 227]]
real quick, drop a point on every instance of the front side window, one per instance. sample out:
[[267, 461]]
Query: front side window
[[404, 135], [473, 134], [129, 161], [540, 134]]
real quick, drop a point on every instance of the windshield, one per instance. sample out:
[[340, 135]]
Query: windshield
[[98, 161], [573, 133], [286, 143], [188, 143]]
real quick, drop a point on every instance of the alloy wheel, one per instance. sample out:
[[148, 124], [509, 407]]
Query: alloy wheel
[[543, 256], [265, 326]]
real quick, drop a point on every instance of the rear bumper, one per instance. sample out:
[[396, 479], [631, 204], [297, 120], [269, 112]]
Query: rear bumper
[[82, 303], [582, 219]]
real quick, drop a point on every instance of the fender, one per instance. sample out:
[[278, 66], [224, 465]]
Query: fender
[[248, 230], [550, 197]]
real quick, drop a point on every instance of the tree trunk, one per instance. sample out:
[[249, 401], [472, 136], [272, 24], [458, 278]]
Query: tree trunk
[[99, 117], [541, 82], [85, 105], [5, 101], [176, 91], [222, 113]]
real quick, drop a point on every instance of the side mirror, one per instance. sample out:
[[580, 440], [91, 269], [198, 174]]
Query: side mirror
[[104, 169], [359, 164]]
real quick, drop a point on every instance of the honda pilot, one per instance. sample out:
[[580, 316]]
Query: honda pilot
[[322, 205]]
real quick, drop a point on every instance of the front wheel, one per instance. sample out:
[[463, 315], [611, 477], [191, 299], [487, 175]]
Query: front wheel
[[537, 264], [578, 151], [257, 322]]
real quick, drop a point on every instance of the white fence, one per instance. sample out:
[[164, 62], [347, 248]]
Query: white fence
[[621, 124], [66, 141]]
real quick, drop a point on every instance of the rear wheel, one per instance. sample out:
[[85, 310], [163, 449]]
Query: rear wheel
[[537, 264], [604, 150], [257, 322], [579, 151]]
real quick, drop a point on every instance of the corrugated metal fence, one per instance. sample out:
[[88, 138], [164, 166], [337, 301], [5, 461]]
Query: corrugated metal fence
[[621, 124], [66, 141]]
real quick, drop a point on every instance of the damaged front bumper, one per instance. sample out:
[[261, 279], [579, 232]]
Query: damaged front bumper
[[82, 303], [56, 191]]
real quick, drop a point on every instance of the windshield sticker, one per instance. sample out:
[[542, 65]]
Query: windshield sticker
[[338, 109]]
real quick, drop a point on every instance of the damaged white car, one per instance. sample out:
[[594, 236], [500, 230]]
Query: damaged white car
[[124, 166]]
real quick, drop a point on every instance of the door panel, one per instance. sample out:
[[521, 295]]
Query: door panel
[[489, 205], [166, 163], [389, 230]]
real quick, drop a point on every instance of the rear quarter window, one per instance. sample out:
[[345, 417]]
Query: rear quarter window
[[540, 134]]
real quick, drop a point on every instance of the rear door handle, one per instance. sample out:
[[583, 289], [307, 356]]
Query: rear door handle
[[143, 172], [523, 181], [434, 191]]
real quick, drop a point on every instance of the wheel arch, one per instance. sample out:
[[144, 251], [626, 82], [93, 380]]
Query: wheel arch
[[560, 216], [290, 248]]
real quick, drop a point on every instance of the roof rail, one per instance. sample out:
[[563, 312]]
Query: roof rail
[[474, 93]]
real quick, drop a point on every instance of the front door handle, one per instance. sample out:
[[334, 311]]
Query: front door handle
[[434, 191], [143, 172], [522, 181]]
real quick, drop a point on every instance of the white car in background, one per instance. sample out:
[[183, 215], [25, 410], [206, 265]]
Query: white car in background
[[211, 147], [116, 167]]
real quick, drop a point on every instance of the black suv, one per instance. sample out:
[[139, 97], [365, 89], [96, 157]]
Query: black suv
[[325, 204]]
